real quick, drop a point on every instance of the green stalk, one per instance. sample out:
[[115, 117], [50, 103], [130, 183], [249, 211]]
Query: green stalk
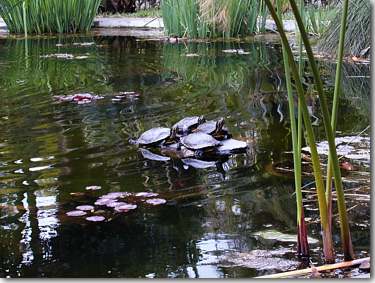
[[336, 94], [344, 223], [302, 243], [327, 235]]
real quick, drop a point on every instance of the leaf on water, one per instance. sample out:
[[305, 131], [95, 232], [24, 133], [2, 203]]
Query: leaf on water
[[76, 213], [156, 201], [115, 203], [93, 188], [125, 207], [146, 194], [85, 207], [97, 218], [281, 237]]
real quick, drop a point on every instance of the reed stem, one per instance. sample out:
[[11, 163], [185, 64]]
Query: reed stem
[[347, 245]]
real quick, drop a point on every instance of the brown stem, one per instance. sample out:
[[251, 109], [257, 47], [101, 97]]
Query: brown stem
[[302, 243]]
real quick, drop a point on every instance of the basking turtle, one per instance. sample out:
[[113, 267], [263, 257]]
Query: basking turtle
[[187, 124], [199, 141], [214, 128], [176, 151], [156, 136]]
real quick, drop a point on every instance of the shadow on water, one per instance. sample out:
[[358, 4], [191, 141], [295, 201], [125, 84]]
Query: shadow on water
[[50, 151]]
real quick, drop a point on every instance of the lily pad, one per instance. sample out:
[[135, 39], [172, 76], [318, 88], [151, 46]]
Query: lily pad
[[281, 237], [93, 188], [156, 201], [125, 207], [115, 203], [96, 218], [76, 213], [103, 201], [85, 207], [146, 194]]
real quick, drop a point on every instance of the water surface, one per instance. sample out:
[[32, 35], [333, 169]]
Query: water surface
[[51, 151]]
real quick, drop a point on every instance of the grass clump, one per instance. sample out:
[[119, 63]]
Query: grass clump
[[48, 16], [210, 18], [358, 33]]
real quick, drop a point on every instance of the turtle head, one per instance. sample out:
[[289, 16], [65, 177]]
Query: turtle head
[[173, 135], [219, 125], [201, 120]]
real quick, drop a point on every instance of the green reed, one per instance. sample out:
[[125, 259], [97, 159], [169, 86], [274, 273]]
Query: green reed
[[296, 131], [48, 16]]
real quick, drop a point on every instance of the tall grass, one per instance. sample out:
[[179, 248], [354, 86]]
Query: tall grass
[[358, 32], [210, 18], [48, 16]]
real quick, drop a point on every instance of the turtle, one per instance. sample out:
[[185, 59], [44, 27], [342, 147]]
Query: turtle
[[199, 141], [214, 128], [176, 151], [187, 124], [156, 136]]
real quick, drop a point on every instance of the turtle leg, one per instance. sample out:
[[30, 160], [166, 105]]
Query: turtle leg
[[199, 153]]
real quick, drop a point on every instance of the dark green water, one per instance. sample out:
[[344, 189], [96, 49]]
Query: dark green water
[[49, 150]]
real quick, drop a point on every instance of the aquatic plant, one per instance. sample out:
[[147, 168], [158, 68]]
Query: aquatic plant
[[323, 207], [208, 18], [48, 16], [296, 131]]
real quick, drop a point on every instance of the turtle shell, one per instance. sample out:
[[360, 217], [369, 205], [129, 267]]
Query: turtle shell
[[186, 124], [154, 135], [199, 141], [208, 127]]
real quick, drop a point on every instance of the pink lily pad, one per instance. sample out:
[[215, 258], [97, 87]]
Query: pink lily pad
[[125, 207], [146, 194], [97, 218], [103, 201], [85, 207], [76, 213], [80, 98], [115, 203], [115, 195], [156, 201]]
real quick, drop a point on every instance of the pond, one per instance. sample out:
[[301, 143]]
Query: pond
[[232, 223]]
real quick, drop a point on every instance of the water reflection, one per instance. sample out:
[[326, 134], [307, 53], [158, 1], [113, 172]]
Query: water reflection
[[49, 151]]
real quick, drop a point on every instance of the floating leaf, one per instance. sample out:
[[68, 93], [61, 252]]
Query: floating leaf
[[76, 213], [156, 201], [96, 218], [115, 203], [146, 194], [126, 207], [85, 207], [93, 188]]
